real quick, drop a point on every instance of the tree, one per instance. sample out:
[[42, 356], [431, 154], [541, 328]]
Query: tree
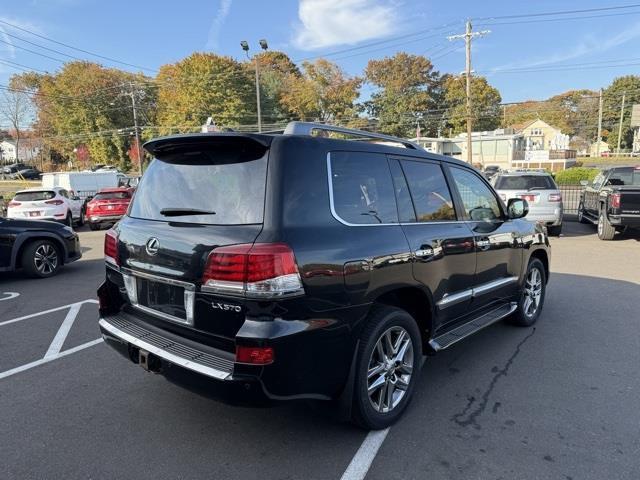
[[88, 105], [628, 85], [409, 88], [323, 93], [485, 104], [205, 85], [275, 68], [17, 109]]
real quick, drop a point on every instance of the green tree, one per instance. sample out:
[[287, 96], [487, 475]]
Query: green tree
[[628, 85], [323, 93], [485, 104], [205, 85], [408, 89], [275, 68]]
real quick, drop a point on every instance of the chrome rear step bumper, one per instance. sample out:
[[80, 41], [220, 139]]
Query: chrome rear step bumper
[[119, 329]]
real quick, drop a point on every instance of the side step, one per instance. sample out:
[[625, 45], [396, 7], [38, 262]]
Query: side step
[[463, 331]]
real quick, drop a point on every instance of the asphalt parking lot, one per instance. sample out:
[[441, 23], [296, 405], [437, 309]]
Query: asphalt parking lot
[[558, 401]]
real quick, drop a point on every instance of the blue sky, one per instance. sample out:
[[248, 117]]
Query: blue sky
[[151, 33]]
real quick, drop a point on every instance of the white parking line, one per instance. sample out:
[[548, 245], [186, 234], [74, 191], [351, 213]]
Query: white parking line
[[10, 296], [63, 331], [42, 361], [44, 312], [362, 460]]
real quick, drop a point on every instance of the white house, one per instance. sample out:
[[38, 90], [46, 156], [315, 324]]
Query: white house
[[29, 151], [8, 151]]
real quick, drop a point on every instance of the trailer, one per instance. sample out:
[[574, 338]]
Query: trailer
[[83, 184]]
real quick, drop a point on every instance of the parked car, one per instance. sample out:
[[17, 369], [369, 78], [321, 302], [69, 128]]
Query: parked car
[[27, 174], [38, 248], [13, 168], [107, 206], [294, 266], [539, 190], [612, 201], [47, 204], [491, 170]]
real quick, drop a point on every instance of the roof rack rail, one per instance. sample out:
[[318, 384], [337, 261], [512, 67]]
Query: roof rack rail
[[307, 128]]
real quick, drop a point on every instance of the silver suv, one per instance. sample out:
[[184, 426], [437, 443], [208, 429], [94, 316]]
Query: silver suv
[[539, 190]]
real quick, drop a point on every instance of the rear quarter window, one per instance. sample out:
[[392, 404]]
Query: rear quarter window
[[363, 191]]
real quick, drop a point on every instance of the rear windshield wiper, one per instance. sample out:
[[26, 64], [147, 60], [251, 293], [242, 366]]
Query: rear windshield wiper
[[538, 188], [181, 212]]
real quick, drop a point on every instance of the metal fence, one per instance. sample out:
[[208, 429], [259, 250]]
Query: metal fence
[[571, 197]]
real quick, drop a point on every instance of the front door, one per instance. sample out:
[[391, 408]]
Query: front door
[[497, 240], [441, 244]]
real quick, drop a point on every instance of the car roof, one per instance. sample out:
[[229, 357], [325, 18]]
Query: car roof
[[523, 173], [114, 189]]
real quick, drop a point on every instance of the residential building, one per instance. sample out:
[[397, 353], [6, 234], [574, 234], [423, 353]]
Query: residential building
[[595, 152], [29, 151]]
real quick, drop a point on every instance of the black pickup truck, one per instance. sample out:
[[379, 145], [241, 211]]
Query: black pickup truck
[[612, 201]]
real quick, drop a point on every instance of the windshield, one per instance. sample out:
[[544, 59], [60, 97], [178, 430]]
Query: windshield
[[525, 182], [112, 196], [34, 196], [229, 193]]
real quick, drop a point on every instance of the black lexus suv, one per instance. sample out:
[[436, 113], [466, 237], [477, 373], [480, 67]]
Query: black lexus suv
[[300, 265]]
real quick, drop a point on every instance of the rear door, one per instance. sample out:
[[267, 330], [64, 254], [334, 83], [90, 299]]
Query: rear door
[[194, 197], [497, 239], [442, 245]]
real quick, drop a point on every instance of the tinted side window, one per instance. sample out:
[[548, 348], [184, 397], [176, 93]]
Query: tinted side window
[[478, 200], [403, 197], [362, 188], [429, 190]]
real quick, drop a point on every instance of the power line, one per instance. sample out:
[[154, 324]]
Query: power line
[[75, 48], [561, 12], [562, 19]]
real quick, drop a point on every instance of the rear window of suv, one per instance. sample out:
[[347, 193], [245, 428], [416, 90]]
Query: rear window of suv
[[34, 196], [234, 190], [525, 182]]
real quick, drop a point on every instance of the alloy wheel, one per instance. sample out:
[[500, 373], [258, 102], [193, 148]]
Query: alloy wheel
[[390, 369], [600, 225], [46, 259], [532, 292]]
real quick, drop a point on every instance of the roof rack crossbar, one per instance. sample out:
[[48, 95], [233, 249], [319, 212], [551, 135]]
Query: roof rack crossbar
[[307, 128]]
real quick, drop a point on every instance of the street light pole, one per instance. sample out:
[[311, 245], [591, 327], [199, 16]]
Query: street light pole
[[245, 47], [135, 126]]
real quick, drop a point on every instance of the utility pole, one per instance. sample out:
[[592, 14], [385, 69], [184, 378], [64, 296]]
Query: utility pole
[[599, 138], [468, 36], [132, 94], [621, 117], [245, 46]]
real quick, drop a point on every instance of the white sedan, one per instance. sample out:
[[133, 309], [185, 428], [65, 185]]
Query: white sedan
[[47, 204]]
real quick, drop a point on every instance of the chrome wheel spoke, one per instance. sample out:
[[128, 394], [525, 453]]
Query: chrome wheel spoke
[[405, 369], [376, 370], [402, 384], [380, 381], [388, 396]]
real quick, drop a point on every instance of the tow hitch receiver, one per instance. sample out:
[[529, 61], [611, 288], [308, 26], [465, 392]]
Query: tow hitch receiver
[[149, 362]]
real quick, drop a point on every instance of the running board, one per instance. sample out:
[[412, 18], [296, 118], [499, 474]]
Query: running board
[[463, 331]]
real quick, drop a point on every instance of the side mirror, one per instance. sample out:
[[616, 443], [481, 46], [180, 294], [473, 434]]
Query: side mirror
[[584, 183], [517, 208]]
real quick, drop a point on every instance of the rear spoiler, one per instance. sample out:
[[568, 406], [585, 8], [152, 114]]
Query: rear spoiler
[[248, 145]]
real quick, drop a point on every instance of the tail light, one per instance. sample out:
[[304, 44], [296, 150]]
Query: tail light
[[14, 204], [261, 270], [111, 247], [54, 202], [254, 355], [614, 200], [555, 197]]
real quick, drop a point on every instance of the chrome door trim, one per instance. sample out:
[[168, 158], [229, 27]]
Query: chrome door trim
[[452, 299]]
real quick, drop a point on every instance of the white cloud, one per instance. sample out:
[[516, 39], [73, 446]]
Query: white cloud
[[218, 21], [325, 23], [588, 46]]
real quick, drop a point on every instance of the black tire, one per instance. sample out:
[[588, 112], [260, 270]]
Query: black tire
[[394, 322], [525, 316], [606, 231], [80, 221], [555, 230], [94, 226], [41, 259], [581, 217], [69, 220]]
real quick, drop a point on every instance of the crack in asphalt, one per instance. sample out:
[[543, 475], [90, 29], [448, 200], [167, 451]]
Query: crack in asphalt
[[471, 418]]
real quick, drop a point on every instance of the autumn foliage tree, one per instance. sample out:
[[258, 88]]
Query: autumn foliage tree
[[275, 69], [323, 93], [485, 104], [204, 85], [408, 87]]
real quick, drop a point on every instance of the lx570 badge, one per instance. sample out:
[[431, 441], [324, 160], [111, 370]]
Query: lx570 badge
[[226, 307]]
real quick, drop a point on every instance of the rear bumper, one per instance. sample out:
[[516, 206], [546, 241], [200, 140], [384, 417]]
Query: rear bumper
[[547, 218], [625, 220], [103, 218]]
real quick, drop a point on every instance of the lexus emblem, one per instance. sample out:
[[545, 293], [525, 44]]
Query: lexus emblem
[[152, 246]]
